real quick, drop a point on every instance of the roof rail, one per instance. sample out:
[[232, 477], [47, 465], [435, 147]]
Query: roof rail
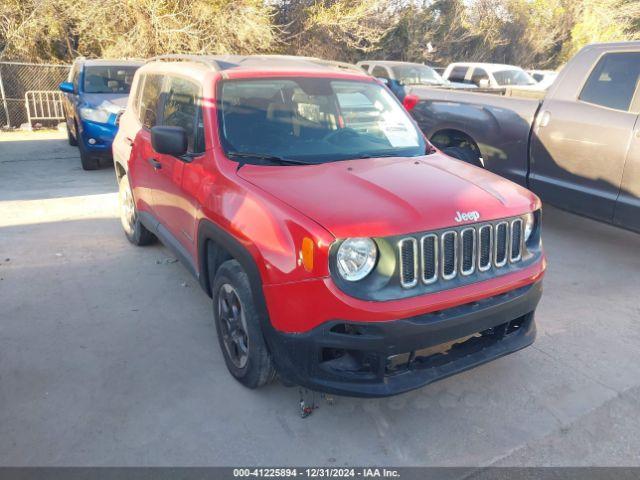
[[316, 60], [335, 63], [178, 57]]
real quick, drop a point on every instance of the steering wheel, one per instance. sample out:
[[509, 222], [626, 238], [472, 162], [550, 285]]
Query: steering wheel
[[341, 132]]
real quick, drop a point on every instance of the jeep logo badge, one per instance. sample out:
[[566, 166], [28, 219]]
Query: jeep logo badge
[[467, 216]]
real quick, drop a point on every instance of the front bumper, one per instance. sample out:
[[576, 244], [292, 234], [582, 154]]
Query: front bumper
[[102, 133], [378, 359]]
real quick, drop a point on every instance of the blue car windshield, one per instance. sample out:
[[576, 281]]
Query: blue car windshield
[[314, 120], [108, 79]]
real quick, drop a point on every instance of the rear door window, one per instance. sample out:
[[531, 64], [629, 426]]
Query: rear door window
[[614, 81], [182, 109], [458, 74], [150, 100], [479, 74], [380, 72]]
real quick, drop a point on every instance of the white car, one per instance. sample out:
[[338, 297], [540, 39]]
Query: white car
[[545, 78], [491, 76]]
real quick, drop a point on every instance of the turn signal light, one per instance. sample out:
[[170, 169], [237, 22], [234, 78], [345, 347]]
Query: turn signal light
[[306, 254], [409, 102]]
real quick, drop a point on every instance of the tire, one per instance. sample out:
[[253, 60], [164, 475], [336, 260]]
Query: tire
[[464, 154], [88, 161], [134, 230], [73, 141], [239, 332]]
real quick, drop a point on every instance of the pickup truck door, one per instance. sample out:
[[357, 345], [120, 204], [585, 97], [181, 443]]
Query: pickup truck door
[[579, 145], [627, 213]]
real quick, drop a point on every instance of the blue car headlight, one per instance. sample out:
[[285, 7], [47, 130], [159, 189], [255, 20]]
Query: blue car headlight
[[99, 113]]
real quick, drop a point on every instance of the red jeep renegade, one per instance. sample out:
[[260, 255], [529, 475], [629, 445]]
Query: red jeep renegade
[[341, 249]]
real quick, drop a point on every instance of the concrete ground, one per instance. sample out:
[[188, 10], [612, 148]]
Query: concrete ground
[[108, 355]]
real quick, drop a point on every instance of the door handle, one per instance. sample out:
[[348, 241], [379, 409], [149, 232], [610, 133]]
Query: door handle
[[544, 119], [154, 163], [128, 141]]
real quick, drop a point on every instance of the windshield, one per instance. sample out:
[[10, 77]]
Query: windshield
[[417, 75], [513, 77], [108, 79], [315, 120]]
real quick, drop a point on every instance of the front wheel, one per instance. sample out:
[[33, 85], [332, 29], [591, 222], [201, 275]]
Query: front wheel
[[88, 161], [239, 333], [464, 154], [73, 141], [133, 228]]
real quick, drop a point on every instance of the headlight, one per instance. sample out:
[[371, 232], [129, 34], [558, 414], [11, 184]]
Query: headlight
[[95, 114], [99, 113], [356, 258], [529, 223]]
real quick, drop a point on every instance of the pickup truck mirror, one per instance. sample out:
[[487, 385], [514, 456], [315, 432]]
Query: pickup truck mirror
[[484, 83], [66, 87], [169, 140]]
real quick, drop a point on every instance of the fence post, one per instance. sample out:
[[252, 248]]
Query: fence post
[[4, 100]]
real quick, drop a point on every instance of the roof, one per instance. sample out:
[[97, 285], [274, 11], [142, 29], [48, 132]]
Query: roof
[[109, 62], [629, 44], [391, 63], [492, 67], [259, 63]]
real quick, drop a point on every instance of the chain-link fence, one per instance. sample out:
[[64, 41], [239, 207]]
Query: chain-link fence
[[16, 79]]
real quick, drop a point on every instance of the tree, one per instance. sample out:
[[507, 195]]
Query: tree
[[603, 21], [63, 29], [335, 29]]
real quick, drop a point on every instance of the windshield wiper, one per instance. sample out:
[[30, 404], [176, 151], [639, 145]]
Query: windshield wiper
[[267, 158]]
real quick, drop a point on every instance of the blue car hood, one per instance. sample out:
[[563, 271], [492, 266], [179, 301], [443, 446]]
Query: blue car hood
[[96, 99]]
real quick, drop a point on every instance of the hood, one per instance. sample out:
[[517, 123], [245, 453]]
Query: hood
[[116, 99], [391, 196]]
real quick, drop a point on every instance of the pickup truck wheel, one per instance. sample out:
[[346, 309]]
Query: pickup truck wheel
[[465, 154], [88, 162], [73, 141], [239, 333], [133, 228]]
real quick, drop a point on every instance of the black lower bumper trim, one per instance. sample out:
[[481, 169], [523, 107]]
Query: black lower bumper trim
[[379, 359]]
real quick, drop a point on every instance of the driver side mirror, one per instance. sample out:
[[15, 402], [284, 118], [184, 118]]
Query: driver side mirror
[[169, 140], [484, 83], [66, 87]]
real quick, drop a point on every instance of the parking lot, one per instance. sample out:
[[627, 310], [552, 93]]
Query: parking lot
[[108, 353]]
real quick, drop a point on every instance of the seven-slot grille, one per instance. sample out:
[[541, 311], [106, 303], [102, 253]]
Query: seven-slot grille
[[461, 251]]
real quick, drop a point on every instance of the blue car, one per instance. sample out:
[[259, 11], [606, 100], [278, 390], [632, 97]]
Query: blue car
[[96, 92]]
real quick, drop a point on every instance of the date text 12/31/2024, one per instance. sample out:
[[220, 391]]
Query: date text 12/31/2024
[[316, 472]]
